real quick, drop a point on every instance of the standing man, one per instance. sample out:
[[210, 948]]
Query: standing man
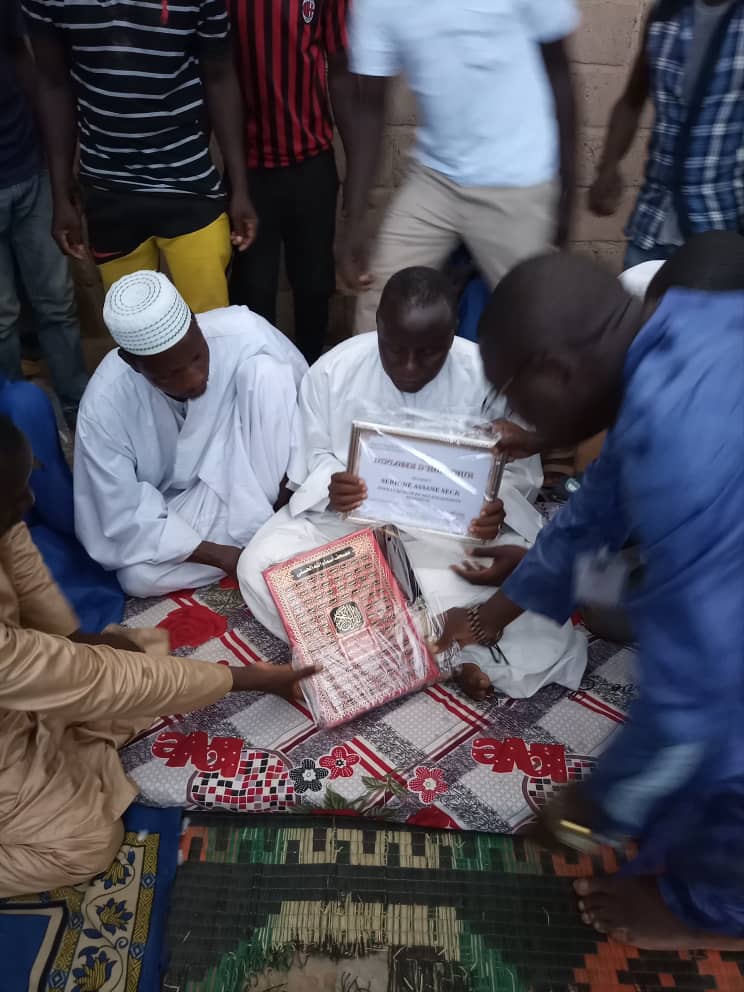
[[149, 80], [496, 129], [691, 66], [26, 246], [283, 47]]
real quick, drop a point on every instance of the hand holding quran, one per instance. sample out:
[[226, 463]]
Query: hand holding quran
[[279, 680]]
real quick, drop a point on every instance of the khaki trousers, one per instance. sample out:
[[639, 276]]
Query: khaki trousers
[[430, 215]]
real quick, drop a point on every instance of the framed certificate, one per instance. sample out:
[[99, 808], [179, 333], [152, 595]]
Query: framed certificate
[[421, 479]]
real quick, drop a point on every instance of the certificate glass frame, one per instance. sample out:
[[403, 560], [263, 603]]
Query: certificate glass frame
[[429, 481]]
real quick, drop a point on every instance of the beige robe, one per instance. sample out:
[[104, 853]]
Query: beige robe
[[64, 710]]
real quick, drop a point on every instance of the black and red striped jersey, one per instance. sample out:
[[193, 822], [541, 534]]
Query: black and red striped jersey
[[281, 48]]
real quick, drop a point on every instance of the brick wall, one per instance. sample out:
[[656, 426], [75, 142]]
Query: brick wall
[[602, 52]]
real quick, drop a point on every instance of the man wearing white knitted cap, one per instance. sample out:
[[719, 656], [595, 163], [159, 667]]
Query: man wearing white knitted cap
[[183, 438], [637, 279]]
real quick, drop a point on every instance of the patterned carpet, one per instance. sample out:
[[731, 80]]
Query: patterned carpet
[[296, 903], [106, 936]]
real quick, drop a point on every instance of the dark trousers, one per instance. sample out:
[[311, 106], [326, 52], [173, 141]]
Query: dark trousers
[[296, 207], [28, 249]]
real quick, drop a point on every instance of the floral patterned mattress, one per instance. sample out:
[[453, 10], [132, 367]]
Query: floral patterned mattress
[[435, 758]]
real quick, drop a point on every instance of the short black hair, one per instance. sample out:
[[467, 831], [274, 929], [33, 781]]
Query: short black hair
[[11, 437], [712, 262], [419, 287], [556, 300]]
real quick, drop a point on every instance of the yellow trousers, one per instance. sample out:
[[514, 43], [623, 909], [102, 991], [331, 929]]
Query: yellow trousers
[[197, 263]]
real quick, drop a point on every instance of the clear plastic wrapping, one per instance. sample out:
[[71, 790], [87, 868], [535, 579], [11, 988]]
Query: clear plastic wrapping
[[427, 472], [453, 424], [355, 607]]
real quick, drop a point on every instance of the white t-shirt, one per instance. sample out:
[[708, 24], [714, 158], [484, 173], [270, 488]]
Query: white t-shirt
[[486, 111]]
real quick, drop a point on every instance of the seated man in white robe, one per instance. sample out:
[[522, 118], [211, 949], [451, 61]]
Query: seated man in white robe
[[183, 437], [413, 364]]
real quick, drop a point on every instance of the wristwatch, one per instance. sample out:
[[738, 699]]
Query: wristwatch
[[477, 629]]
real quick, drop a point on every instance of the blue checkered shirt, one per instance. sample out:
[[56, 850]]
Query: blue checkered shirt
[[704, 180]]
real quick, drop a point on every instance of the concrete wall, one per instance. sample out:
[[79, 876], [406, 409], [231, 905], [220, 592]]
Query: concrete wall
[[602, 51]]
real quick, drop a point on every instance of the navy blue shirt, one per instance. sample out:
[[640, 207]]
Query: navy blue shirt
[[19, 152]]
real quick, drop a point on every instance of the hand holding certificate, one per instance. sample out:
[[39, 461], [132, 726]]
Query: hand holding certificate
[[487, 526], [423, 479], [346, 492]]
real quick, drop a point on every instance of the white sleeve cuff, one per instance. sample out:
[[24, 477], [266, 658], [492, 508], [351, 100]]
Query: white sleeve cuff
[[364, 65]]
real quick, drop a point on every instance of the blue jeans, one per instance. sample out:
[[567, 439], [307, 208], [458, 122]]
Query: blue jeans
[[26, 242], [635, 255]]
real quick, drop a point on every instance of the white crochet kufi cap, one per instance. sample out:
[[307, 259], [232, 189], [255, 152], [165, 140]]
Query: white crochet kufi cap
[[145, 313], [637, 280]]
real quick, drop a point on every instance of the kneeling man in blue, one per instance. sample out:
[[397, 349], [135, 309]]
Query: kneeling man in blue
[[575, 355]]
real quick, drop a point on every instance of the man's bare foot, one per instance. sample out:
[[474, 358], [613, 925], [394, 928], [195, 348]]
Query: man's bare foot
[[632, 911], [472, 681]]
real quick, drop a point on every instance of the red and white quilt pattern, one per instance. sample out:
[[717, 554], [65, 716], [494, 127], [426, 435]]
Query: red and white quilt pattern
[[434, 758]]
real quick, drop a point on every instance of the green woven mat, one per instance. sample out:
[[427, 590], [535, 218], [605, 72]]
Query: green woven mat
[[294, 903]]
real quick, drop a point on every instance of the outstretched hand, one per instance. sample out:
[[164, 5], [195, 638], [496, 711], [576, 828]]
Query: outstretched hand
[[279, 680], [456, 629], [504, 559]]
